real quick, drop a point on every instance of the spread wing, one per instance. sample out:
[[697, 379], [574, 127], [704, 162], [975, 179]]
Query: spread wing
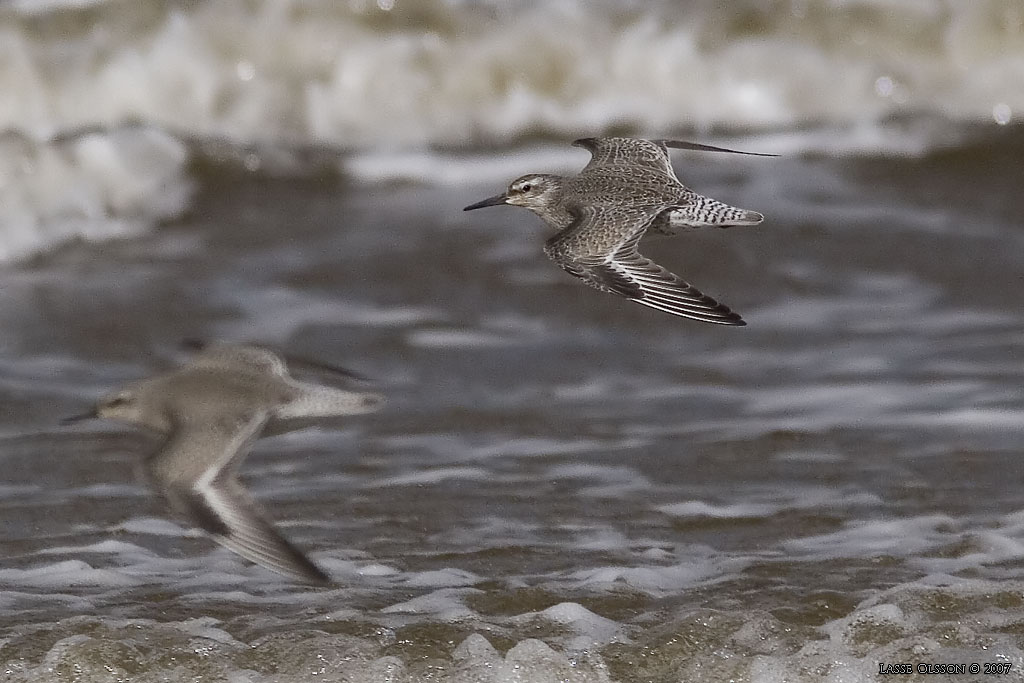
[[624, 271], [632, 151], [245, 530], [196, 471], [650, 153], [263, 357], [239, 357]]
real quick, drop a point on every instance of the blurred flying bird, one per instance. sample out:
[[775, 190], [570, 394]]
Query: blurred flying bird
[[210, 411]]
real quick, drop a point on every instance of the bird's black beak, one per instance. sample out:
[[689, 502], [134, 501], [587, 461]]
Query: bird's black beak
[[91, 415], [496, 200]]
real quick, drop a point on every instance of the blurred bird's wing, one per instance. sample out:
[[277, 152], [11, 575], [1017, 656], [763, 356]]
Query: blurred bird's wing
[[196, 472], [263, 357]]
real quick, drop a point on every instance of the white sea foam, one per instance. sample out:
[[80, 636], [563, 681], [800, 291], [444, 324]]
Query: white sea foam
[[422, 71], [62, 575], [432, 476], [584, 470], [593, 629], [699, 508], [752, 508], [529, 660], [445, 604], [443, 578], [457, 448], [938, 618], [933, 543], [279, 311], [157, 527], [375, 569], [458, 339], [406, 85], [108, 547], [695, 570], [460, 170], [94, 186], [900, 537]]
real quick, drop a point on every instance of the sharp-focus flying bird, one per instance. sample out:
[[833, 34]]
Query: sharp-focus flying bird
[[628, 188]]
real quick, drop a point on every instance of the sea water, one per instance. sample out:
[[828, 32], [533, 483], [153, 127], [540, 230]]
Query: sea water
[[563, 485]]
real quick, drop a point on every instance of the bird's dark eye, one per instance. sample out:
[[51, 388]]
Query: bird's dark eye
[[525, 188]]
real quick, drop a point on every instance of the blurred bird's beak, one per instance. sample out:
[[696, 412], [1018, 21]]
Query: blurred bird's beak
[[370, 402], [496, 200], [91, 415]]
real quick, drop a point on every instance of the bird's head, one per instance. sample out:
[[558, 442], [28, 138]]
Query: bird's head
[[124, 405], [537, 192]]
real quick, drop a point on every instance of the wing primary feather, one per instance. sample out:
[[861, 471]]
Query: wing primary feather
[[252, 536], [623, 270], [698, 147], [662, 290], [301, 362], [195, 471]]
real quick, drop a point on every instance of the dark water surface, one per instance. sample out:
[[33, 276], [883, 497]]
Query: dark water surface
[[563, 485]]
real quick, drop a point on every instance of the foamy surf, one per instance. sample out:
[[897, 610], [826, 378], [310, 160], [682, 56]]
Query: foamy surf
[[402, 91], [418, 72], [937, 621], [92, 186]]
